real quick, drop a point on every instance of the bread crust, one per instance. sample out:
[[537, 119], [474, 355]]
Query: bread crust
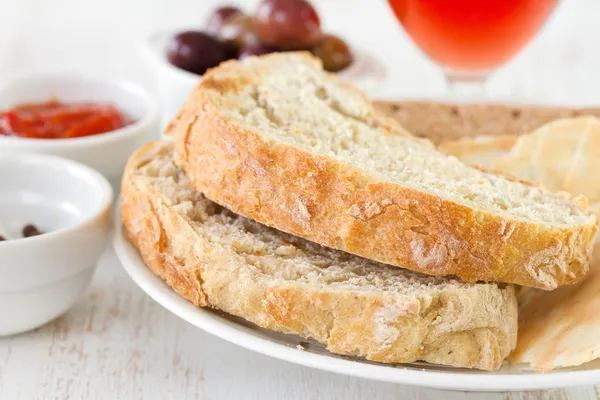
[[473, 327], [319, 199]]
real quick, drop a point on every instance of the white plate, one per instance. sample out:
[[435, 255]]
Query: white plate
[[285, 347]]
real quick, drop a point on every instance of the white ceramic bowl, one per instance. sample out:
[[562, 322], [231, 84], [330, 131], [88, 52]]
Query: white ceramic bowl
[[108, 152], [42, 276], [175, 84]]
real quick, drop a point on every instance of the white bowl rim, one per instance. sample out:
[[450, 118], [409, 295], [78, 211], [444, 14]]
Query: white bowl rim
[[90, 174], [147, 119]]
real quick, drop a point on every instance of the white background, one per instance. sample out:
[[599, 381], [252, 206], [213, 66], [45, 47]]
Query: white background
[[103, 37], [116, 343]]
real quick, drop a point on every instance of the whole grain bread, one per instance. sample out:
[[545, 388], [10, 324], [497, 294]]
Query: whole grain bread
[[357, 307], [440, 122], [278, 140]]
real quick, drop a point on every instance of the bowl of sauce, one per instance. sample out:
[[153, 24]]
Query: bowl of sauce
[[96, 121], [54, 119]]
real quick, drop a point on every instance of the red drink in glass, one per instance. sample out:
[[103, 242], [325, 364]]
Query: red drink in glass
[[472, 35]]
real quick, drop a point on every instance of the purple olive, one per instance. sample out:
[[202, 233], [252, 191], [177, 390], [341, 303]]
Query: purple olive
[[289, 24], [219, 16], [239, 31], [257, 50], [196, 51]]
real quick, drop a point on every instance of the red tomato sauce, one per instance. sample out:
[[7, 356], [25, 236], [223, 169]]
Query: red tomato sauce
[[56, 120]]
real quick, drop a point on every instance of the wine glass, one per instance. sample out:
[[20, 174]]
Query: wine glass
[[469, 39]]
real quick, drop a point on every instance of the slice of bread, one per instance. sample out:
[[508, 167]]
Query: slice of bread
[[440, 122], [278, 140], [357, 307]]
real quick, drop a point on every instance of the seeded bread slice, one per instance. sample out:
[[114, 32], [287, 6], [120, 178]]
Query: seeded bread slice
[[357, 307], [278, 140], [441, 122]]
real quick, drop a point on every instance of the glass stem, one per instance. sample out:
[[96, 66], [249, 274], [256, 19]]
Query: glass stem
[[466, 86]]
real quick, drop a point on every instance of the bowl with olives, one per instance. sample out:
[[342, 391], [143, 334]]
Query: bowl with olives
[[181, 57]]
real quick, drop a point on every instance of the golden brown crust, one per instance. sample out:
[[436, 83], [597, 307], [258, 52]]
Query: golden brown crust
[[472, 326], [145, 229], [319, 199]]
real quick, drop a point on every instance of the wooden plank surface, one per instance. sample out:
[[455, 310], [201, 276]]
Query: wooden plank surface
[[118, 343]]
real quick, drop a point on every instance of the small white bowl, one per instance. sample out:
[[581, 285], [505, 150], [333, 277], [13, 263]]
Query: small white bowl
[[107, 152], [175, 84], [42, 276]]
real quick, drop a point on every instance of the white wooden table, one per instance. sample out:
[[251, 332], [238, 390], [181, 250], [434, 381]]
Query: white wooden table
[[116, 343]]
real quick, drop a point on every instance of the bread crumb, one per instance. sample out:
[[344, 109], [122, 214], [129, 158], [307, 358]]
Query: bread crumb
[[301, 215], [437, 255]]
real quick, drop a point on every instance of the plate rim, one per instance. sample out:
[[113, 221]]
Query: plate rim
[[214, 324]]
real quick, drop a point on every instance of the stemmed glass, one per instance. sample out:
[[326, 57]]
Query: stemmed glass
[[469, 39]]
